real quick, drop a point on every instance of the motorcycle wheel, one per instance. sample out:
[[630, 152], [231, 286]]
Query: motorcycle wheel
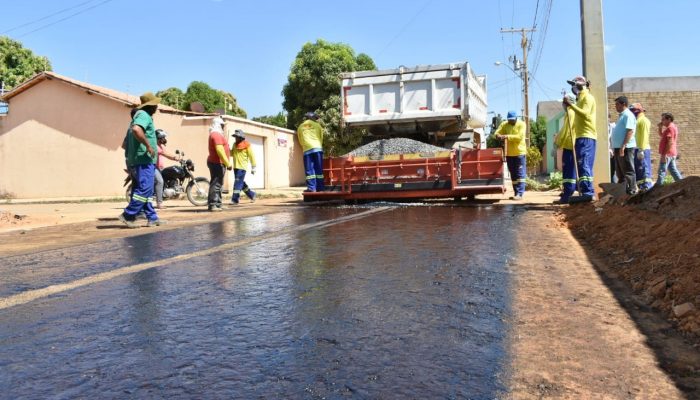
[[198, 191]]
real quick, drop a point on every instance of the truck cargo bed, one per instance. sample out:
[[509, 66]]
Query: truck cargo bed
[[447, 174]]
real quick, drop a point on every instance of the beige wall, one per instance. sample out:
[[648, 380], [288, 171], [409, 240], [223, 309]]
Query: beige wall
[[59, 141]]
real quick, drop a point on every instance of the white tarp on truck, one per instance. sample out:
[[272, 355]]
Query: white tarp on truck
[[447, 98]]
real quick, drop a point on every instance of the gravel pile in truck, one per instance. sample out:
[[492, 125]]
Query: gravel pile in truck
[[382, 147]]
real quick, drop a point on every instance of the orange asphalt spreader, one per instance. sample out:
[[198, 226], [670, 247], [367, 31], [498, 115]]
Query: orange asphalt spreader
[[454, 174]]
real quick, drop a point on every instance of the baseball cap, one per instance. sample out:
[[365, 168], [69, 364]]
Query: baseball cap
[[637, 107], [579, 80], [512, 115]]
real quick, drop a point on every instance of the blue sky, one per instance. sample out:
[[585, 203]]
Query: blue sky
[[247, 47]]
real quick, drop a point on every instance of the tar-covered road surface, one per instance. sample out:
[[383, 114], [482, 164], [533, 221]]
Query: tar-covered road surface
[[317, 302]]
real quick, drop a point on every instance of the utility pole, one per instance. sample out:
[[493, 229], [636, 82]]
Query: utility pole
[[525, 76], [594, 69]]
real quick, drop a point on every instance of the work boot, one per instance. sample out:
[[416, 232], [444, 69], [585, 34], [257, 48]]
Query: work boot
[[560, 201], [517, 197], [215, 209], [252, 197], [156, 222], [129, 224]]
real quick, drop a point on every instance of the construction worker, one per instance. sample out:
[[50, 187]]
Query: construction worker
[[242, 155], [642, 159], [310, 134], [565, 141], [141, 156], [218, 162], [513, 131], [584, 128]]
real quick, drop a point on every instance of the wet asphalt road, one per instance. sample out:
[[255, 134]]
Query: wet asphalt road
[[405, 302]]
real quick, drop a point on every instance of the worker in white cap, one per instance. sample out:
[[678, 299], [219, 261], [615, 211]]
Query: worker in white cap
[[218, 162], [584, 128]]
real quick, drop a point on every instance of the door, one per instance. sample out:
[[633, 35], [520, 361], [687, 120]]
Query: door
[[257, 181]]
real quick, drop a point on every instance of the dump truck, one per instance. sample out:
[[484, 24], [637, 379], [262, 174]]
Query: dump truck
[[444, 105]]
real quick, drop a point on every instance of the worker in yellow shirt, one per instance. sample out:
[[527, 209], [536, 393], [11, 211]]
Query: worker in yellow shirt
[[584, 128], [242, 156], [642, 159], [565, 141], [513, 131], [310, 134]]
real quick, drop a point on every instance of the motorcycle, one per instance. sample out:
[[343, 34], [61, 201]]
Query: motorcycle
[[179, 179]]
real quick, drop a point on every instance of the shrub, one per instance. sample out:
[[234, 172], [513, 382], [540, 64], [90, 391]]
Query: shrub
[[555, 181]]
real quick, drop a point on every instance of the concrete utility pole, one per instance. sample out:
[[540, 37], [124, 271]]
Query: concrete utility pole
[[594, 69], [525, 76]]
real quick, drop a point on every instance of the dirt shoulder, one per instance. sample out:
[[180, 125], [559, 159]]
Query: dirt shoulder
[[652, 243], [578, 335]]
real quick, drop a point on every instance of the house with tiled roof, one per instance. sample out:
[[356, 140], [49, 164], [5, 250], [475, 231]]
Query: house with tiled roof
[[61, 138]]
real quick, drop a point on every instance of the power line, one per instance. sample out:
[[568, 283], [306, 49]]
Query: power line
[[534, 23], [406, 25], [47, 17], [545, 25], [64, 19]]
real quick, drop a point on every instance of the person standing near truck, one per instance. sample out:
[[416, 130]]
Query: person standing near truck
[[310, 134], [242, 155], [584, 128], [642, 159], [513, 131]]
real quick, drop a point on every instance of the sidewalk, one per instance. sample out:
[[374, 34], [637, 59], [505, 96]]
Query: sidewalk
[[27, 214]]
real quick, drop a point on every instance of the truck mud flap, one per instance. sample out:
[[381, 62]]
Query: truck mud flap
[[480, 182], [393, 187]]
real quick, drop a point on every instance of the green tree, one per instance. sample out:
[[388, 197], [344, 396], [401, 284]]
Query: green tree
[[313, 79], [173, 97], [277, 120], [18, 64], [538, 132], [533, 158], [491, 140], [210, 98]]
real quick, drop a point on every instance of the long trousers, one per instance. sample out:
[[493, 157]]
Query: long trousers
[[518, 173], [240, 185], [313, 166], [625, 169], [585, 157], [142, 196], [216, 181]]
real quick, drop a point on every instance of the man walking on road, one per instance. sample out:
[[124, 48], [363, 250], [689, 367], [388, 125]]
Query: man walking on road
[[241, 155], [218, 163], [513, 130], [310, 134], [624, 143], [584, 128], [668, 150], [141, 156], [642, 159]]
